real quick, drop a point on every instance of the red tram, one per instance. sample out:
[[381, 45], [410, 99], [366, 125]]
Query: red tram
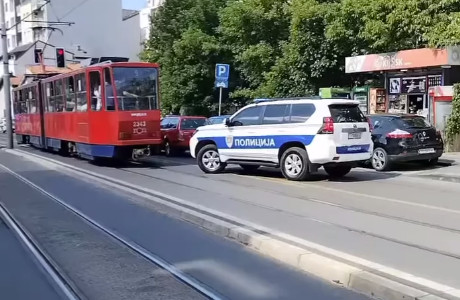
[[108, 110]]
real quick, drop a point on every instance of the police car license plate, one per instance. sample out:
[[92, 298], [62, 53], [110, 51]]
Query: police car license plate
[[426, 151], [354, 135]]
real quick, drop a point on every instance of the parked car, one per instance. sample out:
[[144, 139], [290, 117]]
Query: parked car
[[177, 131], [217, 119], [402, 138]]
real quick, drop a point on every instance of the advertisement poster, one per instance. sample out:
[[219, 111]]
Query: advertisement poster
[[395, 86], [413, 85]]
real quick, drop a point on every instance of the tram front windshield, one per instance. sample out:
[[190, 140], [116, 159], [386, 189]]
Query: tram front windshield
[[136, 88]]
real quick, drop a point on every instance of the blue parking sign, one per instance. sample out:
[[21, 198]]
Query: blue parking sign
[[222, 71]]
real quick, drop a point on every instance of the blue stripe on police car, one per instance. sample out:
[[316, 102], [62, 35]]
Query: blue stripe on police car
[[257, 142]]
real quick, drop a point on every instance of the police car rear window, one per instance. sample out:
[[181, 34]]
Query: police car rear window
[[346, 113]]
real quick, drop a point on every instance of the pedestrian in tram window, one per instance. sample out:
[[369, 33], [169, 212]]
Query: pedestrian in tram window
[[96, 100]]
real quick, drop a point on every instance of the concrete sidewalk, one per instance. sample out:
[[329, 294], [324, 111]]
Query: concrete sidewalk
[[448, 169]]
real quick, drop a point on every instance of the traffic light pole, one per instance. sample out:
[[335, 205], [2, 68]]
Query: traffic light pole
[[6, 77]]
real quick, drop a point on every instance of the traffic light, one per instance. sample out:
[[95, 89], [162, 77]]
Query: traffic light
[[60, 57], [38, 55]]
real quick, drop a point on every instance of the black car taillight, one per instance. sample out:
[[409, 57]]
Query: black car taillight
[[399, 134], [327, 127]]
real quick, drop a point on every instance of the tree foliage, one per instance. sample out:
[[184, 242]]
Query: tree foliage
[[453, 123], [283, 47]]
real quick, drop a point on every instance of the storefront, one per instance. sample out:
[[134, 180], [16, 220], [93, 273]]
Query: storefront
[[407, 78]]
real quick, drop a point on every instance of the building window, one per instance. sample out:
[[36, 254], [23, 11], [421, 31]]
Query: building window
[[14, 40], [9, 42], [6, 7]]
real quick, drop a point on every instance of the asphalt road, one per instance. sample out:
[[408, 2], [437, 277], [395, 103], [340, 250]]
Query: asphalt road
[[20, 276], [402, 219], [103, 269]]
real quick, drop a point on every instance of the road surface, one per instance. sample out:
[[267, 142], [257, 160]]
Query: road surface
[[103, 268]]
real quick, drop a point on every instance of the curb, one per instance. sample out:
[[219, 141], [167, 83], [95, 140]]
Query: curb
[[356, 274]]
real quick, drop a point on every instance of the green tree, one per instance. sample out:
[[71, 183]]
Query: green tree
[[253, 32], [453, 123], [184, 42], [310, 59]]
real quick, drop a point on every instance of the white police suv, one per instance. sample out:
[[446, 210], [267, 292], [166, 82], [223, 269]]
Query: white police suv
[[299, 135]]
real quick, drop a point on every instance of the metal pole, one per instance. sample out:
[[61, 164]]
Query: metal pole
[[220, 100], [6, 77]]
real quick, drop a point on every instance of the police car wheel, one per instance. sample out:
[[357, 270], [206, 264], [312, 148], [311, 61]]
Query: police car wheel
[[379, 160], [294, 164], [250, 168], [209, 160], [337, 171]]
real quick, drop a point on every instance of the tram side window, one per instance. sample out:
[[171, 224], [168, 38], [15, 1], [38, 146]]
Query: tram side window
[[15, 102], [59, 95], [109, 95], [82, 103], [50, 98], [22, 102], [71, 102], [32, 98], [96, 95]]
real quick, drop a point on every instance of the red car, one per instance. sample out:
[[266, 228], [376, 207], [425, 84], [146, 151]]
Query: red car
[[177, 131]]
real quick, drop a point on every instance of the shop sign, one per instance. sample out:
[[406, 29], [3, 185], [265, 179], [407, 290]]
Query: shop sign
[[406, 59], [413, 85]]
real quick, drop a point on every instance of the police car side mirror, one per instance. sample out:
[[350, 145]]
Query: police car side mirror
[[227, 122]]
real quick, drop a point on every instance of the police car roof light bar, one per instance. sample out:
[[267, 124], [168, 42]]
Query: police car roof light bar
[[260, 100]]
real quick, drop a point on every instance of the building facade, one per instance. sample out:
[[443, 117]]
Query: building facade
[[145, 17], [85, 29], [409, 80]]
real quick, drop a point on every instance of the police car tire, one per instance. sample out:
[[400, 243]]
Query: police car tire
[[302, 153], [201, 165], [337, 171]]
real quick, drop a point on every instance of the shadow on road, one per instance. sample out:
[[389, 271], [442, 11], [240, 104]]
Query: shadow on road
[[356, 175]]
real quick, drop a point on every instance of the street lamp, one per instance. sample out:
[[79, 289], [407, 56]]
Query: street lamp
[[6, 77]]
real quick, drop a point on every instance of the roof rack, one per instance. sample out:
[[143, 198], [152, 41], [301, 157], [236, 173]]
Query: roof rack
[[260, 100]]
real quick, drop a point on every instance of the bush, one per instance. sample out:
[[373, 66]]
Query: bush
[[453, 123]]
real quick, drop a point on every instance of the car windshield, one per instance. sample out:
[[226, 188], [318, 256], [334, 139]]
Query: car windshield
[[346, 113], [192, 123], [216, 120], [414, 122], [136, 88]]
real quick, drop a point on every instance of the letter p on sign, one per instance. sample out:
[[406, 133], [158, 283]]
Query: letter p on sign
[[222, 71]]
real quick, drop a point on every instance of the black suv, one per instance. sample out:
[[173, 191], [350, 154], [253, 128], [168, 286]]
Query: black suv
[[403, 137]]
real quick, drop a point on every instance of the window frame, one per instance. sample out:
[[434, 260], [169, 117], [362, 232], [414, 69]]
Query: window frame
[[285, 118], [68, 95], [90, 73], [59, 101], [292, 108], [259, 120], [83, 94], [109, 70]]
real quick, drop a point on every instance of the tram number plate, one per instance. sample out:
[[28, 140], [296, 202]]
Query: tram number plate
[[139, 127], [354, 136], [139, 124]]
